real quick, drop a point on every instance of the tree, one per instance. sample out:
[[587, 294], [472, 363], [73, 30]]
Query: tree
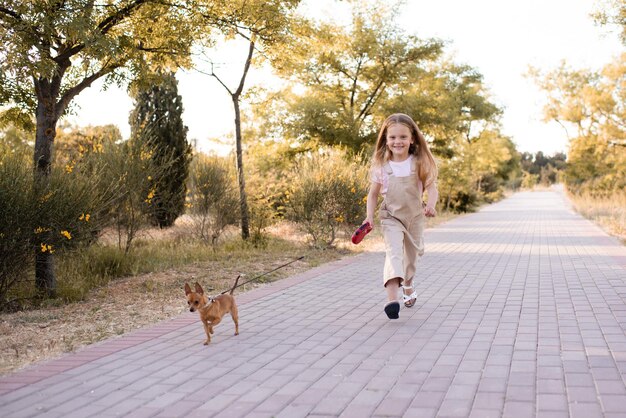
[[53, 50], [591, 106], [262, 24], [345, 75], [451, 104], [157, 119]]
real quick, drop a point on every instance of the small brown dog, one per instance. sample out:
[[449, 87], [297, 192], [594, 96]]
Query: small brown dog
[[212, 310]]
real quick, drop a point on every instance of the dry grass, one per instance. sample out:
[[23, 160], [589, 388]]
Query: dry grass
[[126, 304], [608, 212]]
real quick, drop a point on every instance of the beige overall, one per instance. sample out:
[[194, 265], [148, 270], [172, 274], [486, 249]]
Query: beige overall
[[402, 220]]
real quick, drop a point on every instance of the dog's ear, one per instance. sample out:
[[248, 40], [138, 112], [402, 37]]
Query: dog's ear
[[187, 289], [199, 289]]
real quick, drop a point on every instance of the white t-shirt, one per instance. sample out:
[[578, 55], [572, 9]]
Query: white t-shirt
[[399, 169]]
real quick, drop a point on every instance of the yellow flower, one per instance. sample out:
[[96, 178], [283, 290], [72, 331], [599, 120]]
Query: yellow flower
[[365, 199], [46, 197], [353, 190], [66, 234], [339, 219], [84, 217], [150, 196], [69, 167], [46, 248]]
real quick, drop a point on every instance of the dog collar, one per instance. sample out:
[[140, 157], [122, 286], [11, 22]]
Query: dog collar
[[207, 304]]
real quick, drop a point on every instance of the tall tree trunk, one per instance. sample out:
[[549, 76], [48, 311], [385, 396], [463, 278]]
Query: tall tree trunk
[[47, 119], [243, 200]]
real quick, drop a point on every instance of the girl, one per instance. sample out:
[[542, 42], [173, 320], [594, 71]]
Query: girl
[[402, 169]]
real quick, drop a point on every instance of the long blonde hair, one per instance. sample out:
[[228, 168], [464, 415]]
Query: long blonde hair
[[426, 165]]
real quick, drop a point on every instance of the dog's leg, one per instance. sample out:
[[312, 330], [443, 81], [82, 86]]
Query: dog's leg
[[235, 315], [207, 329]]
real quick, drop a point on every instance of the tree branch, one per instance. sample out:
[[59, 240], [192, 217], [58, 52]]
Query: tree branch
[[221, 82], [370, 101], [246, 67], [107, 24], [86, 82], [356, 77], [104, 27]]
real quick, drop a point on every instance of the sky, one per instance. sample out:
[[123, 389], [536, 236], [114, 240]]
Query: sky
[[499, 38]]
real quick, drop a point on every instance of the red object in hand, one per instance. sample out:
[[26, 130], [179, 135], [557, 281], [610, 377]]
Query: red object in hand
[[361, 232]]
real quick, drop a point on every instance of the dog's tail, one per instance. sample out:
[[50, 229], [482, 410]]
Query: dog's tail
[[235, 285]]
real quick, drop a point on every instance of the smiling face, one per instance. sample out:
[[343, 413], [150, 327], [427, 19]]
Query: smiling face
[[399, 139]]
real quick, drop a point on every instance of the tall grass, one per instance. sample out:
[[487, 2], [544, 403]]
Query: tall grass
[[608, 211], [80, 272]]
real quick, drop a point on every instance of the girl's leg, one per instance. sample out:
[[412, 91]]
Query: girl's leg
[[413, 251], [392, 287], [392, 308]]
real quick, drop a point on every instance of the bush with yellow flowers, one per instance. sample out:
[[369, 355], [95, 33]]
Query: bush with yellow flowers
[[129, 171], [51, 215], [328, 195]]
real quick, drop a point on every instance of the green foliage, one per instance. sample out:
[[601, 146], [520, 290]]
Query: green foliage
[[328, 195], [346, 74], [212, 198], [41, 38], [595, 166], [529, 180], [157, 120], [269, 173], [451, 104], [17, 214], [14, 139], [130, 168], [594, 105], [59, 215], [478, 172], [546, 170]]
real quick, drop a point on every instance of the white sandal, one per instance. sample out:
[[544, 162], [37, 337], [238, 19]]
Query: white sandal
[[409, 300]]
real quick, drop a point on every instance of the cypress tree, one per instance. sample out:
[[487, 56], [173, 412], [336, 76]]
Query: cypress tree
[[157, 121]]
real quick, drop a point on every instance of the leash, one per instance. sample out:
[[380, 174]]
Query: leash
[[261, 275]]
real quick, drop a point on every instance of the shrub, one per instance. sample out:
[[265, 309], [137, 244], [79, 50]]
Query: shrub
[[61, 213], [212, 197], [130, 172], [529, 180], [268, 177], [328, 195]]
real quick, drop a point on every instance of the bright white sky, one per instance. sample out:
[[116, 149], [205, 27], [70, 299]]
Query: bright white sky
[[500, 38]]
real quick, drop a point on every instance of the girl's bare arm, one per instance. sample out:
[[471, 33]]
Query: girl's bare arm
[[372, 202]]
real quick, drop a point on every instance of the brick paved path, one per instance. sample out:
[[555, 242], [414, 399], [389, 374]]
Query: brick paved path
[[521, 313]]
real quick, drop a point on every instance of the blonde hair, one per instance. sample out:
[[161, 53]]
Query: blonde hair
[[426, 165]]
